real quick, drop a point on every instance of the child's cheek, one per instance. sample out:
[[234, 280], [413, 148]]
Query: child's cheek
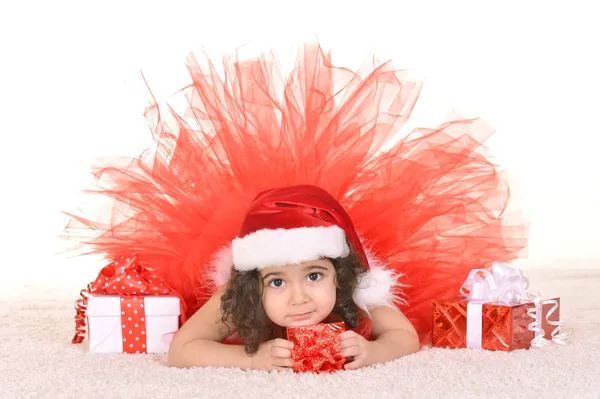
[[323, 294]]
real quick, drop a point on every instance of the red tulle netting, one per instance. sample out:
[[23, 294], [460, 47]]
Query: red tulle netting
[[431, 205]]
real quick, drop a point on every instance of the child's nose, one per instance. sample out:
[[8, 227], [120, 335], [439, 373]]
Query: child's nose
[[299, 295]]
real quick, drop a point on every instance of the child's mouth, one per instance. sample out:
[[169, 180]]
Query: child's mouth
[[301, 316]]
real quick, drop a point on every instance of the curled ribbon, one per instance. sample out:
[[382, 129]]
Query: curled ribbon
[[317, 348], [539, 340], [508, 285], [124, 276]]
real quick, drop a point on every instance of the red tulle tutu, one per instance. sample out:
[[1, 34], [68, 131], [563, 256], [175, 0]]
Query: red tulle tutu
[[431, 206]]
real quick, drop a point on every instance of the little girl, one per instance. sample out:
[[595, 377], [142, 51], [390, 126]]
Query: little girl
[[337, 212], [297, 262]]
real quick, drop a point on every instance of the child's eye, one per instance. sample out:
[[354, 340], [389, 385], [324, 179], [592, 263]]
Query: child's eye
[[276, 283], [315, 276]]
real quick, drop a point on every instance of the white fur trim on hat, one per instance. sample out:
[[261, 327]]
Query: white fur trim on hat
[[265, 248], [220, 266], [377, 287]]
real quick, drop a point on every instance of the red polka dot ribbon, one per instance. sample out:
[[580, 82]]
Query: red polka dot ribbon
[[317, 348], [127, 278], [133, 324]]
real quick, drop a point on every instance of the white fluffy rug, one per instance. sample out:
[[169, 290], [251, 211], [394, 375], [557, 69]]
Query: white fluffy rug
[[38, 360]]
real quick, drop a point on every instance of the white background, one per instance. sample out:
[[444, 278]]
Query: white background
[[71, 90]]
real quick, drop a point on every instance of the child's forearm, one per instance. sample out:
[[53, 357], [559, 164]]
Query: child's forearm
[[392, 345], [207, 353]]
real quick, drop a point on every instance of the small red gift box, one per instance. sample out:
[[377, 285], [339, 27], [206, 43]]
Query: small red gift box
[[317, 348], [495, 313], [461, 323]]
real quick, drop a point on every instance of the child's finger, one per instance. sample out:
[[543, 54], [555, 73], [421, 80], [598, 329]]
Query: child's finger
[[351, 351], [356, 364], [348, 342], [282, 343], [347, 334], [280, 362], [281, 352]]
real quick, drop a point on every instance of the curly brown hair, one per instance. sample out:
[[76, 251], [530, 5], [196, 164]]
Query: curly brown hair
[[241, 303]]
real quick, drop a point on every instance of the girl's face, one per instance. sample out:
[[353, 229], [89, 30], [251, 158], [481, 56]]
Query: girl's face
[[300, 294]]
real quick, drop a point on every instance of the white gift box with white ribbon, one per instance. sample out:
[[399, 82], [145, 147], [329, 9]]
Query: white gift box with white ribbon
[[142, 324]]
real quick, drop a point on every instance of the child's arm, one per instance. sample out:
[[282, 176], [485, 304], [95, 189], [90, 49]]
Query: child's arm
[[199, 343], [394, 336]]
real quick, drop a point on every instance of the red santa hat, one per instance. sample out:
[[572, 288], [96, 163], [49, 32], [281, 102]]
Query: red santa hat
[[297, 224]]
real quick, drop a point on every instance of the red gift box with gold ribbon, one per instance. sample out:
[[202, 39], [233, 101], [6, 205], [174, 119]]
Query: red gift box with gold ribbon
[[127, 309], [317, 348]]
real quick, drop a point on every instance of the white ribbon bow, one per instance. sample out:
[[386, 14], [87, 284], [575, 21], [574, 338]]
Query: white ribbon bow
[[508, 285], [501, 283]]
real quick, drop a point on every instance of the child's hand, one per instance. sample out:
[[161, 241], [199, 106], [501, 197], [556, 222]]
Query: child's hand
[[274, 355], [357, 347]]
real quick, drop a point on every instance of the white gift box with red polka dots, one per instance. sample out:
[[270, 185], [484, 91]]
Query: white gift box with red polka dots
[[131, 324]]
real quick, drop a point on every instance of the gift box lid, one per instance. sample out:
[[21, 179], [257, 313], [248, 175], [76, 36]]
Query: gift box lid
[[110, 305], [462, 299]]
